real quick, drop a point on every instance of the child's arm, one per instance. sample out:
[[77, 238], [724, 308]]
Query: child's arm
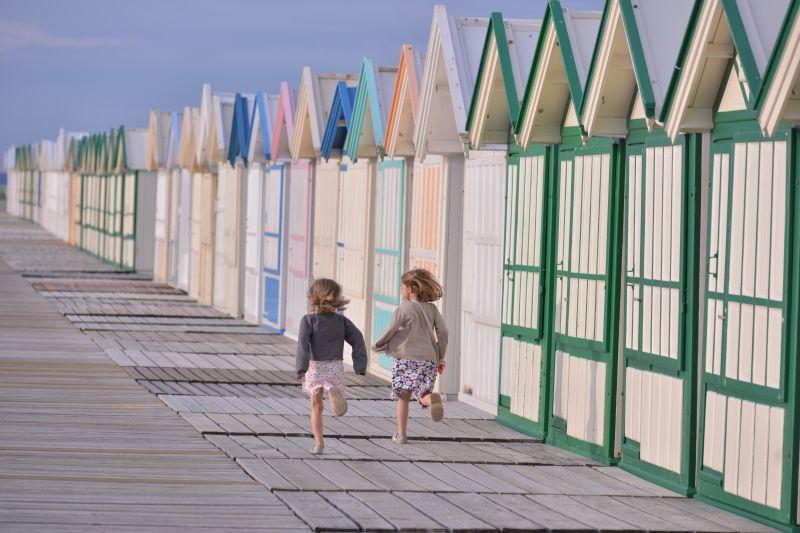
[[303, 353], [441, 333], [355, 339], [394, 326]]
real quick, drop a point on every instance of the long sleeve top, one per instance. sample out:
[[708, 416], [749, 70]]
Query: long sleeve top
[[416, 331], [322, 337]]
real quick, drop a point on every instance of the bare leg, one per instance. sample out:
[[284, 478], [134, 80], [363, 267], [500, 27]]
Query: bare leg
[[402, 412], [426, 399], [316, 416], [434, 401]]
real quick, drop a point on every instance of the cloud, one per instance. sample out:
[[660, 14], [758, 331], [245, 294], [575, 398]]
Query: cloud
[[18, 35]]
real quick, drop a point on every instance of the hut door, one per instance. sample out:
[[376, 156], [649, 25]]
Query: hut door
[[484, 184], [353, 254], [174, 227], [299, 228], [746, 403], [185, 229], [657, 378], [222, 246], [522, 308], [326, 219], [254, 221], [272, 247], [388, 246], [584, 366], [427, 206]]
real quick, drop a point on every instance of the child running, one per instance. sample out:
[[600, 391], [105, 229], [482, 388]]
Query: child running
[[416, 338], [318, 360]]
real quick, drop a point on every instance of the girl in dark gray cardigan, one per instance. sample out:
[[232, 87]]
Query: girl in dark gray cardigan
[[417, 340], [320, 345]]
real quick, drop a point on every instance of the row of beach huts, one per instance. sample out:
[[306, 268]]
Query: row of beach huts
[[610, 199]]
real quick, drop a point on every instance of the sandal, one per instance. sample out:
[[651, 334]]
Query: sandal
[[339, 402], [317, 448], [398, 438], [437, 407]]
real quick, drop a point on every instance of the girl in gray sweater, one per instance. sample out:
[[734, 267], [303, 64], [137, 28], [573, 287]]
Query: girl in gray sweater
[[320, 346], [416, 338]]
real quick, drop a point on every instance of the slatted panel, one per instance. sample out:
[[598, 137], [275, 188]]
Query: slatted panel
[[484, 185], [388, 246], [353, 254], [75, 205], [579, 396], [207, 237], [252, 254], [744, 334], [521, 379], [299, 239], [272, 246], [222, 247], [173, 235], [326, 219], [196, 217], [427, 208], [163, 204], [653, 416], [185, 229], [582, 247]]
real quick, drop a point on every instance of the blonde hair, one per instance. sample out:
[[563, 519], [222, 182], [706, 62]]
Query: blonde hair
[[325, 296], [422, 284]]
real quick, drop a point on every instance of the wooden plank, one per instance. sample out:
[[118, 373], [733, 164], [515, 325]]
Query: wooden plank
[[317, 512], [338, 473], [363, 515], [301, 475], [229, 446], [491, 513], [265, 474], [450, 516], [398, 512], [382, 475]]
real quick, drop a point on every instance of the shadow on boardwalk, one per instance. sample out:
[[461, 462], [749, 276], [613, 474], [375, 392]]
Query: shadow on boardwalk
[[83, 445]]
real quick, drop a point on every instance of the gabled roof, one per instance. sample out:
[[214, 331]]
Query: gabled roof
[[260, 130], [283, 130], [175, 123], [158, 139], [505, 63], [636, 49], [133, 149], [452, 61], [202, 126], [314, 101], [720, 32], [403, 112], [187, 149], [339, 120], [370, 110], [779, 100], [220, 132], [9, 158], [240, 129], [557, 78]]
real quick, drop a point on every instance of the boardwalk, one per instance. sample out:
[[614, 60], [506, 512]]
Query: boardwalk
[[126, 406]]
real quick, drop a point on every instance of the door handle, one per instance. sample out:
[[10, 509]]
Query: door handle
[[714, 257]]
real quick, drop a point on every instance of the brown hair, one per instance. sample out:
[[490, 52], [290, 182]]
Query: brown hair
[[325, 296], [422, 284]]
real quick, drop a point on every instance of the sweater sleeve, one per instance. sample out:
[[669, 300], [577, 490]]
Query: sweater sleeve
[[391, 329], [355, 339], [303, 353], [441, 333]]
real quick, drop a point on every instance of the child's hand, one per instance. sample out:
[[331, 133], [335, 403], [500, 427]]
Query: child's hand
[[301, 375], [440, 368]]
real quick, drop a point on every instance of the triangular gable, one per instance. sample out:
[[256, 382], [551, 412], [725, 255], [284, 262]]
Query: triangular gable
[[284, 124], [202, 127], [9, 158], [240, 130], [158, 138], [313, 105], [366, 137], [720, 32], [260, 130], [175, 125], [636, 50], [133, 150], [403, 112], [505, 62], [779, 100], [339, 120], [186, 147], [557, 78], [221, 122], [452, 62]]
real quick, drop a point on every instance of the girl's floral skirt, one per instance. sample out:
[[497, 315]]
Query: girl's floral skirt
[[325, 375], [418, 377]]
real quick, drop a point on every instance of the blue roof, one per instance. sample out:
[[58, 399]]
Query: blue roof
[[338, 120], [260, 108], [240, 131]]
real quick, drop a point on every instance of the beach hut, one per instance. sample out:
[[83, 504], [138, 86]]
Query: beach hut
[[186, 159], [298, 177], [440, 130], [27, 182], [634, 64], [118, 197], [315, 103], [9, 167], [747, 428], [73, 167], [156, 159], [494, 109], [174, 179], [231, 210], [56, 182], [372, 239]]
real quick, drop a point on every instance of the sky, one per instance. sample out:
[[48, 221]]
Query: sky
[[89, 65]]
